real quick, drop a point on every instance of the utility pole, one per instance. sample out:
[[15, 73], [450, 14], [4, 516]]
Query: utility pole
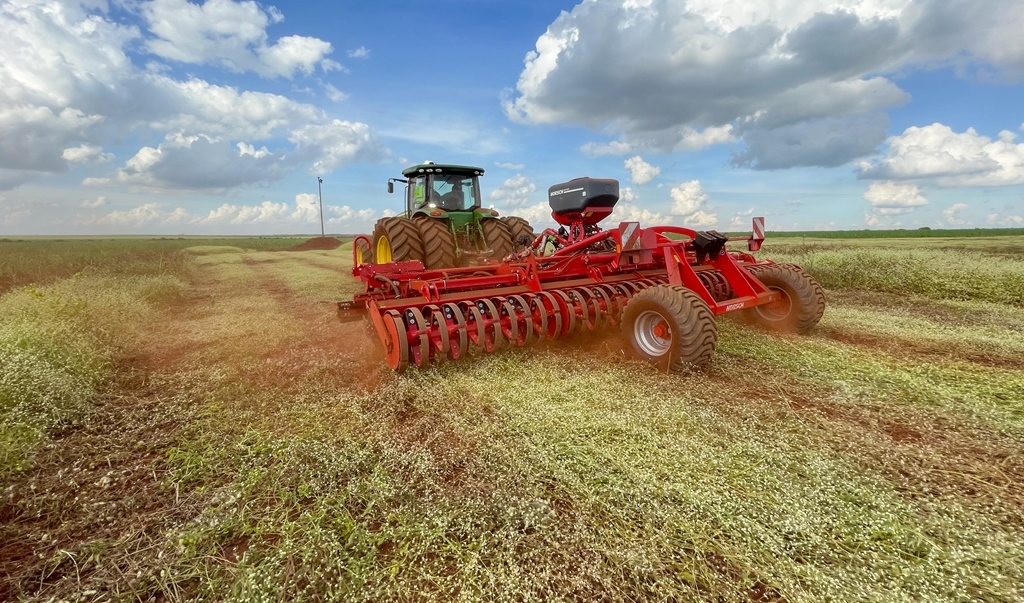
[[320, 191]]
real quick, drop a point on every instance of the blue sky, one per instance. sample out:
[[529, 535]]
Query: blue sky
[[169, 116]]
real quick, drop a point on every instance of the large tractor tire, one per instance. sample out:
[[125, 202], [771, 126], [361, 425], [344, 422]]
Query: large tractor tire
[[802, 303], [521, 231], [396, 240], [438, 242], [498, 237], [670, 327]]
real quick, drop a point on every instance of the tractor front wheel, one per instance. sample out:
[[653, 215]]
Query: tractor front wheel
[[438, 242], [670, 327], [396, 240], [801, 302]]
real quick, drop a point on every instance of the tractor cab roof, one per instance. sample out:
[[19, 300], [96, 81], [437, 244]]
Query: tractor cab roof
[[431, 167]]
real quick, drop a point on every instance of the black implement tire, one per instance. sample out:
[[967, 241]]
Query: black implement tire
[[802, 303], [670, 327], [438, 242], [497, 237], [401, 237], [520, 230]]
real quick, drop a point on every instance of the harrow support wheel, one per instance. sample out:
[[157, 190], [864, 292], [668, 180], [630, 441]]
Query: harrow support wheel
[[396, 240], [363, 253], [397, 346], [438, 242], [671, 327], [802, 303], [520, 230], [497, 237]]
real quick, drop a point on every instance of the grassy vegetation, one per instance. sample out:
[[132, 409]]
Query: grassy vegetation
[[228, 440], [42, 260], [900, 233], [943, 274]]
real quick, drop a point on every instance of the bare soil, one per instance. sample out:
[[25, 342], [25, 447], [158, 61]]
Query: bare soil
[[318, 244]]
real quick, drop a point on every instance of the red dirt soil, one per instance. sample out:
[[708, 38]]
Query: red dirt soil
[[317, 244]]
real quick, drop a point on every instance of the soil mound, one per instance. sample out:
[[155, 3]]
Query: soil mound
[[317, 243]]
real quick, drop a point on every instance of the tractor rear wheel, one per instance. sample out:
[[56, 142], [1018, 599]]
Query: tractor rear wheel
[[396, 240], [498, 237], [802, 301], [670, 327], [521, 231], [438, 242]]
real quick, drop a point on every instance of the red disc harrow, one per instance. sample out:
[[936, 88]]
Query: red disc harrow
[[661, 286]]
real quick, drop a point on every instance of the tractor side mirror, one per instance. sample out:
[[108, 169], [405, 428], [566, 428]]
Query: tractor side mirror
[[391, 186]]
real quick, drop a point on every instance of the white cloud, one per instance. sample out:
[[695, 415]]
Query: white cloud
[[689, 202], [891, 199], [359, 53], [689, 208], [741, 220], [668, 140], [304, 211], [94, 203], [630, 212], [232, 35], [516, 192], [538, 215], [1005, 220], [337, 143], [641, 172], [86, 153], [142, 215], [954, 214], [949, 158], [334, 94], [510, 166], [677, 74], [69, 84]]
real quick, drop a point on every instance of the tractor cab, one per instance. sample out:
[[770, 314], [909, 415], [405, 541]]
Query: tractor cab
[[432, 186]]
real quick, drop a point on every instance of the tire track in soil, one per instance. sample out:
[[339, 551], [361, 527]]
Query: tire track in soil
[[347, 352], [116, 456]]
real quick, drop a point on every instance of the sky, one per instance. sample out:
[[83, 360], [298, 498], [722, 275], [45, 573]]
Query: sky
[[175, 117]]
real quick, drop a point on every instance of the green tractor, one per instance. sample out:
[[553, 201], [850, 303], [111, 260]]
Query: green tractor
[[443, 224]]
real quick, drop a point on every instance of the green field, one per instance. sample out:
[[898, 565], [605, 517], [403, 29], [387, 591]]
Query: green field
[[184, 419]]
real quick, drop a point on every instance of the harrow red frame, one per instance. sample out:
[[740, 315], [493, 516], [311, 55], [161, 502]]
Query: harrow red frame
[[427, 315]]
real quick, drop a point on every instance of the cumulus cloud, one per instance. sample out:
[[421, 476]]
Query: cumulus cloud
[[334, 94], [538, 215], [232, 35], [641, 172], [689, 202], [69, 84], [94, 203], [516, 192], [304, 211], [890, 199], [1005, 220], [949, 158], [668, 140], [673, 74], [628, 210], [954, 214], [86, 153], [741, 220], [359, 53]]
